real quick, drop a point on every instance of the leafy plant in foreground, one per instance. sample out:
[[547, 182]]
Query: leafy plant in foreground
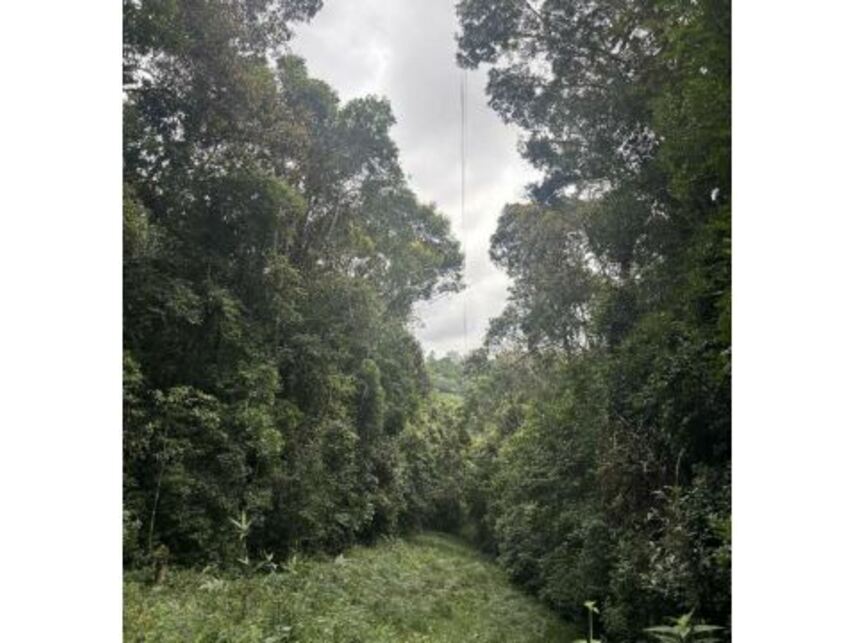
[[590, 609], [684, 629], [242, 526]]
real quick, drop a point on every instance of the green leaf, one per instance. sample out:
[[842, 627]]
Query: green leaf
[[703, 629]]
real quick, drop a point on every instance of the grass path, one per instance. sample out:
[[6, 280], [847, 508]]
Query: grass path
[[427, 588]]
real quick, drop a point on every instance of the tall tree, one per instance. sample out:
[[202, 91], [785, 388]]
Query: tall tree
[[273, 254], [615, 486]]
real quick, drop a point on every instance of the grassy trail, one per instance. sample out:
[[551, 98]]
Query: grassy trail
[[426, 588]]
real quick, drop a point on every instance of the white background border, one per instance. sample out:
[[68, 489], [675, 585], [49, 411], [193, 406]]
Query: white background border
[[60, 321]]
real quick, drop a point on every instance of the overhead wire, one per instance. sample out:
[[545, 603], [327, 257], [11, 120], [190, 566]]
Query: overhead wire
[[463, 150]]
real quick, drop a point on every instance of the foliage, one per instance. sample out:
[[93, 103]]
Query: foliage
[[446, 373], [591, 610], [599, 408], [684, 629], [429, 588], [273, 253], [433, 448]]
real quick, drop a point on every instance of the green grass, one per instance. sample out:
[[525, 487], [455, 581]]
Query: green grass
[[426, 588]]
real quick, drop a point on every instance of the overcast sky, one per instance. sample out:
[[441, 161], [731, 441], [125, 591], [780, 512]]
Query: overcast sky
[[406, 52]]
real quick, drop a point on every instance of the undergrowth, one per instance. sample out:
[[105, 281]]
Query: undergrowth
[[428, 587]]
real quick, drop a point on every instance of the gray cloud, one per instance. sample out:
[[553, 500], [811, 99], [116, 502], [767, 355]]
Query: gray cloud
[[406, 52]]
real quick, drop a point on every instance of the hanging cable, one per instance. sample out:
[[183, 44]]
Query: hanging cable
[[463, 197]]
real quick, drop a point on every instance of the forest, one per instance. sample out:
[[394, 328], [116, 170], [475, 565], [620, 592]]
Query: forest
[[277, 407]]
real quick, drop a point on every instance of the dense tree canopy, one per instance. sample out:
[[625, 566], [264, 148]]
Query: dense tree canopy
[[603, 469], [272, 256]]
